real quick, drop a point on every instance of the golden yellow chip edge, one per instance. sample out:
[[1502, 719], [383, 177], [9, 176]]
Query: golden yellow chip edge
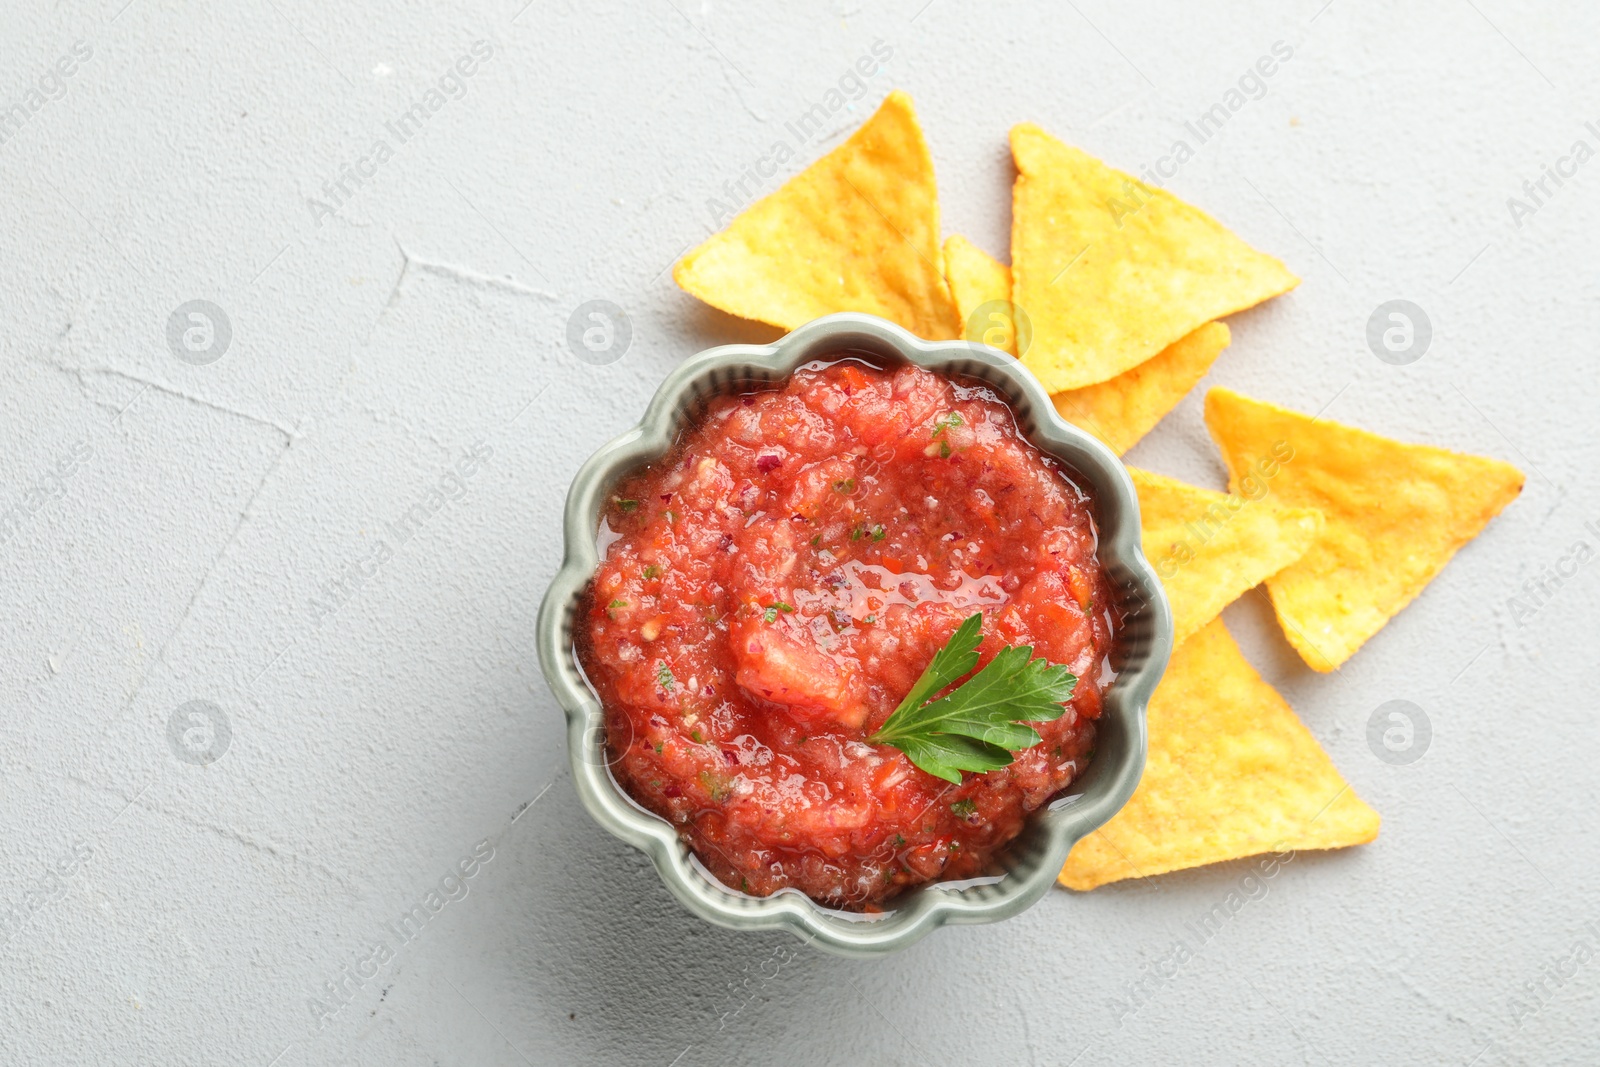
[[1232, 772], [976, 278], [1110, 271], [1121, 410], [1209, 548], [857, 230], [1395, 514]]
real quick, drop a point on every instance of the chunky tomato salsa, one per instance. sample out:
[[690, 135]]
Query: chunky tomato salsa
[[773, 587]]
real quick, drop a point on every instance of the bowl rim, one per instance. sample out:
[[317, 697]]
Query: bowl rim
[[1062, 823]]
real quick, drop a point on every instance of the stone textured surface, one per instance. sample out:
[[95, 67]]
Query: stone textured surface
[[378, 736]]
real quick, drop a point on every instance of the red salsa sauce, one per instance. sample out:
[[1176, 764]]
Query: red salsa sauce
[[772, 587]]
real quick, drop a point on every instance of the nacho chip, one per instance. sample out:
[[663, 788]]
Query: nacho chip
[[858, 230], [976, 278], [1119, 411], [1111, 271], [1123, 409], [1395, 515], [1211, 548], [1232, 772]]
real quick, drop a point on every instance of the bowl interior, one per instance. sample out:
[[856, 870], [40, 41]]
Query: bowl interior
[[1023, 871]]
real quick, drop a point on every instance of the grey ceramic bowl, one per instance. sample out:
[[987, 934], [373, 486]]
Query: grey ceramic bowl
[[1026, 869]]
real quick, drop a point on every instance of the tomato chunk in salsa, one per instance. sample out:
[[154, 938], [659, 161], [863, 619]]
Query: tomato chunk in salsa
[[771, 589]]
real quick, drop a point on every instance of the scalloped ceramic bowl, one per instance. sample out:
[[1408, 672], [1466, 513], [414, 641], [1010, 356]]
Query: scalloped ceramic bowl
[[1022, 872]]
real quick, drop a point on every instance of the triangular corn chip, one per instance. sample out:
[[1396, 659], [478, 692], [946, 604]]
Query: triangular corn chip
[[1119, 411], [1232, 772], [1395, 514], [976, 278], [858, 230], [1211, 548], [1111, 271], [1123, 409]]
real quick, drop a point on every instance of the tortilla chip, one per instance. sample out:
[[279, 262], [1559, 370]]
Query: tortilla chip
[[1395, 515], [858, 230], [1211, 548], [1111, 271], [1119, 411], [976, 278], [1125, 408], [1232, 772]]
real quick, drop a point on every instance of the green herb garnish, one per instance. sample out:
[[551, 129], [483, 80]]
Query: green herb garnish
[[652, 571], [879, 533], [771, 614], [944, 422], [717, 785], [976, 726], [664, 676], [944, 449], [964, 808], [625, 505]]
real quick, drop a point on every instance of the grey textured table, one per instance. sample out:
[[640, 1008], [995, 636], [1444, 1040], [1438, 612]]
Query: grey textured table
[[270, 519]]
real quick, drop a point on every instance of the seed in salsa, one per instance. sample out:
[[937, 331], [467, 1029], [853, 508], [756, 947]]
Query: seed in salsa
[[774, 586]]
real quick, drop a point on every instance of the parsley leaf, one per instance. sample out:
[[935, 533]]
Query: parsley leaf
[[976, 726], [958, 656]]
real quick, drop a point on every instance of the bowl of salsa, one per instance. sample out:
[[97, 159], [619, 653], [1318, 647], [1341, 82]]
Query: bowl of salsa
[[854, 635]]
